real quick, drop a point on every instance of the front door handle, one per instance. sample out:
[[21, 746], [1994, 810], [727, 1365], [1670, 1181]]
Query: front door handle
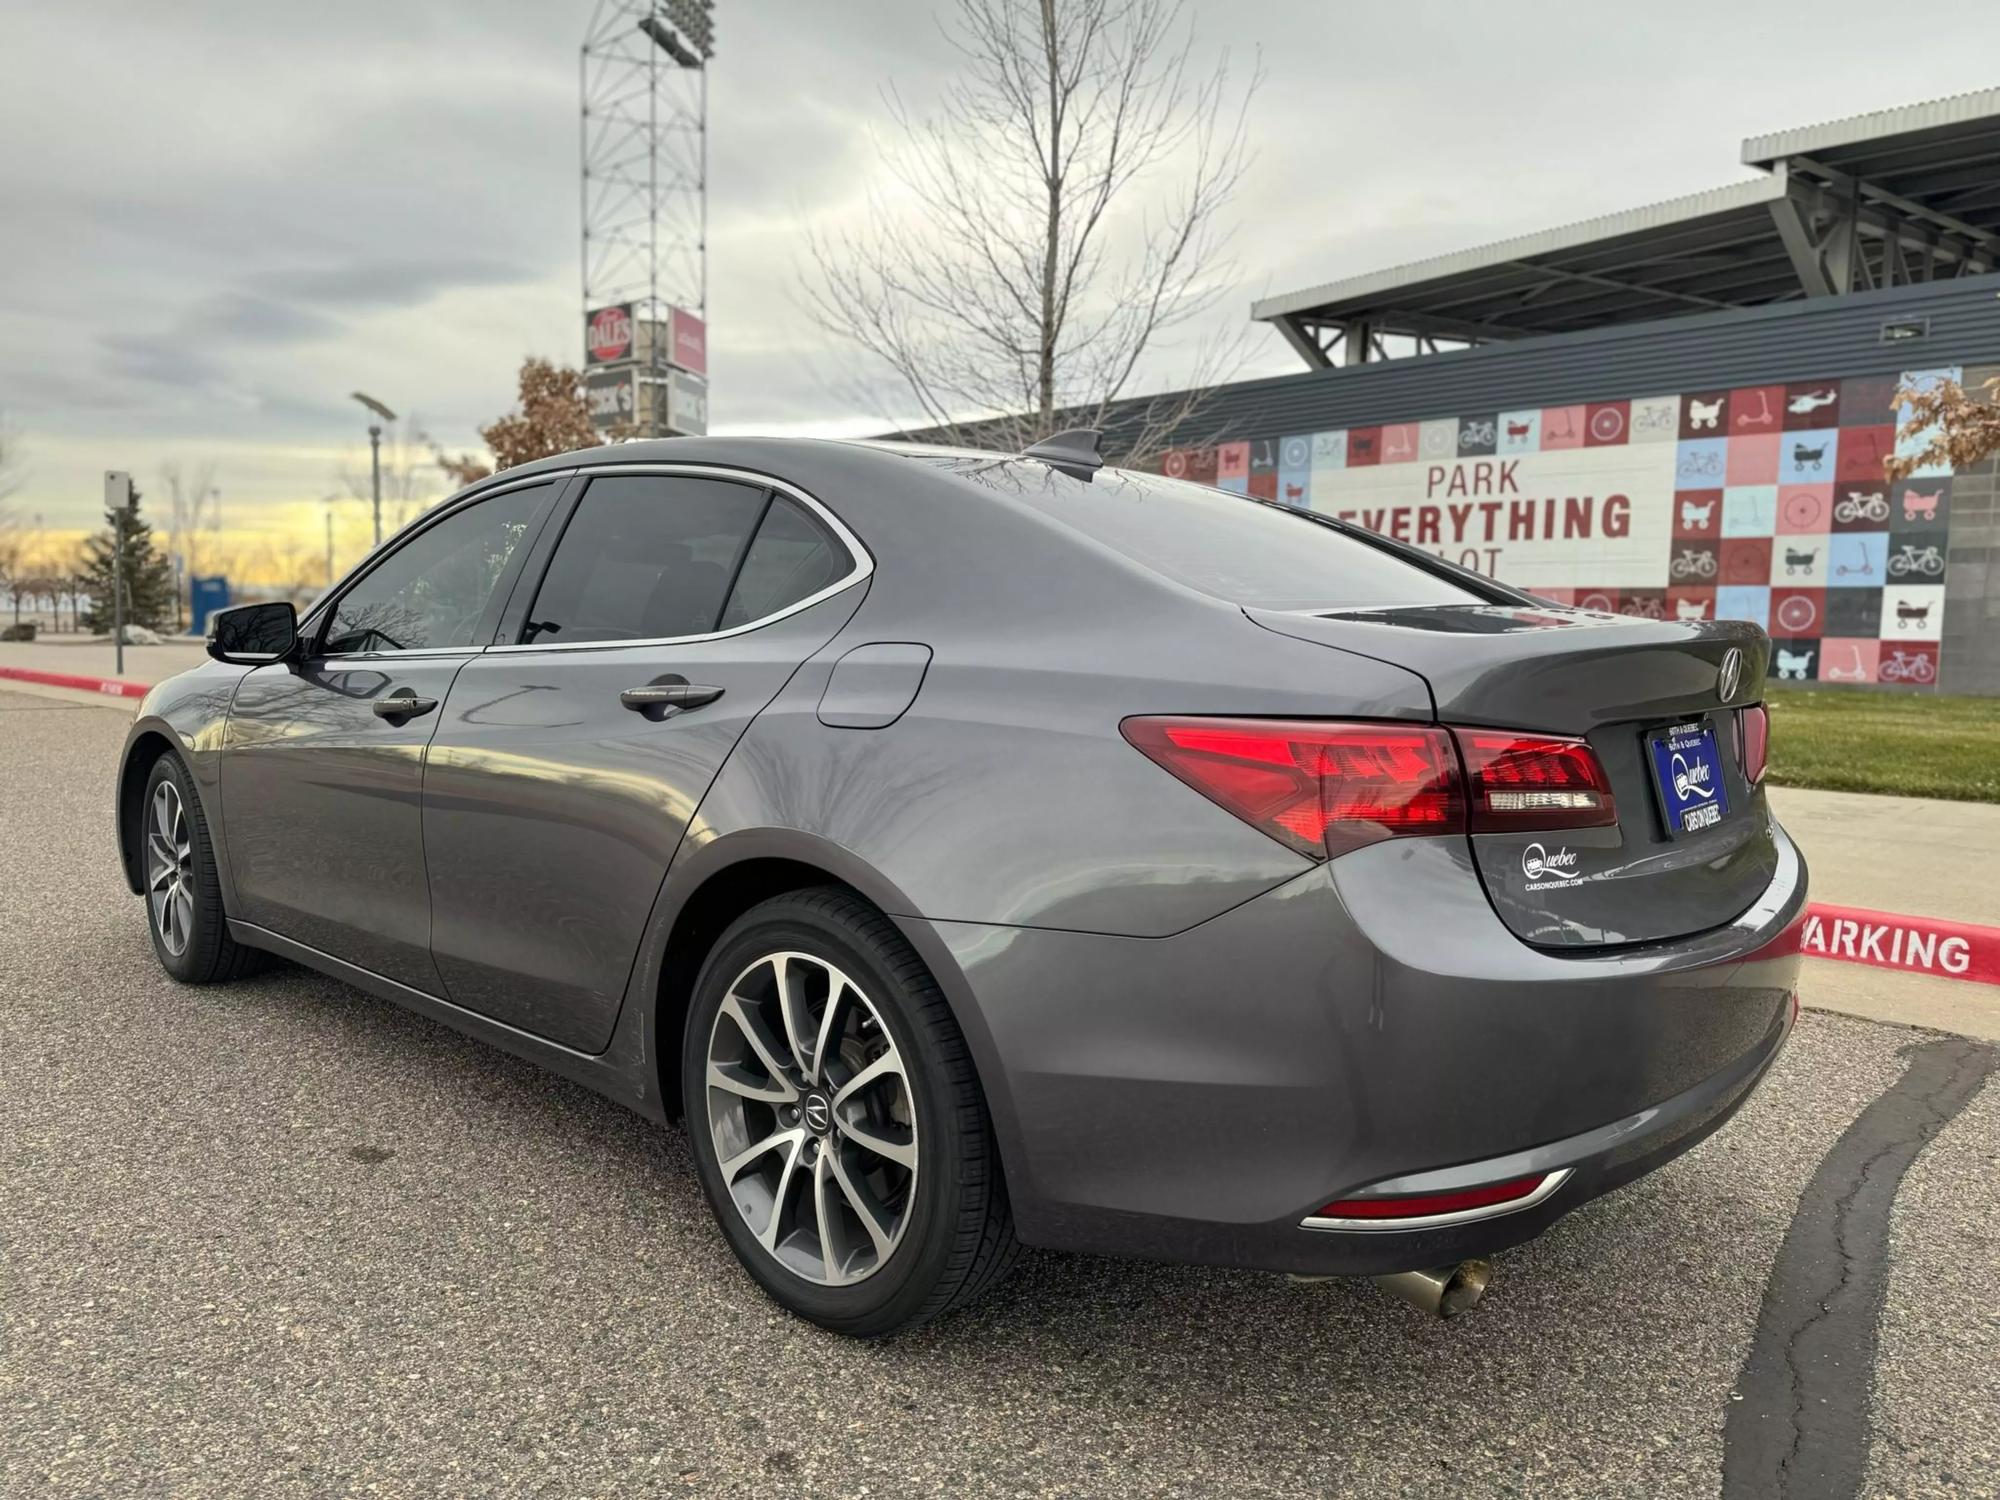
[[657, 699], [404, 705]]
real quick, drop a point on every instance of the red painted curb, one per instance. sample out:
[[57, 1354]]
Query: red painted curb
[[1916, 945], [111, 687]]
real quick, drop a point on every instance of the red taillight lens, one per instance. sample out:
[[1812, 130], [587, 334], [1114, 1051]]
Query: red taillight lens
[[1425, 1205], [1321, 789], [1528, 781], [1756, 742]]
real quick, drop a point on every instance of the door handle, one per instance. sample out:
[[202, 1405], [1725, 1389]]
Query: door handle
[[657, 699], [403, 705]]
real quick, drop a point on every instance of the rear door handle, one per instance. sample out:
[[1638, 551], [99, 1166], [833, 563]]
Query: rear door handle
[[657, 699], [403, 705]]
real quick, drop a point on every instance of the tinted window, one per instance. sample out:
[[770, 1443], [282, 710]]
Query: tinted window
[[792, 558], [645, 557], [431, 591], [1226, 545]]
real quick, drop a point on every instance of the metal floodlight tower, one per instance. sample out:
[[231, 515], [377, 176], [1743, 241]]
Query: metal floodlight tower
[[645, 161]]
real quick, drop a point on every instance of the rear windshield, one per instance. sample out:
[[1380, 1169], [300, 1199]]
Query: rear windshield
[[1248, 552]]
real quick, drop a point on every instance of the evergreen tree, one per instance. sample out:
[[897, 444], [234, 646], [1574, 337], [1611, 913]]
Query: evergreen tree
[[149, 578]]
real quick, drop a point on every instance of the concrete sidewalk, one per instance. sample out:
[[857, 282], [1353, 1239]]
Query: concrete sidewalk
[[96, 656], [1899, 854]]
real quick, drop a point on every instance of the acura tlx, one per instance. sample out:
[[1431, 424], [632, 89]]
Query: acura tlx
[[983, 849]]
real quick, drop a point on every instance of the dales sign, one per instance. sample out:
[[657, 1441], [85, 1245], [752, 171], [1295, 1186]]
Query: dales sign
[[608, 334]]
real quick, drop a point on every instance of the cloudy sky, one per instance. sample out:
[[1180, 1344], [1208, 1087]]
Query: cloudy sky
[[218, 217]]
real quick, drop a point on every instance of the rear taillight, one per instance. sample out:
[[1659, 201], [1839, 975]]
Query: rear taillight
[[1756, 742], [1319, 788], [1521, 782]]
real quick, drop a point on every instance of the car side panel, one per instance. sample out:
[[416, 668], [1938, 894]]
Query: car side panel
[[1006, 794], [190, 711]]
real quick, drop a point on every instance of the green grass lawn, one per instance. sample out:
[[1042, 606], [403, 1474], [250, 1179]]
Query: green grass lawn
[[1913, 745]]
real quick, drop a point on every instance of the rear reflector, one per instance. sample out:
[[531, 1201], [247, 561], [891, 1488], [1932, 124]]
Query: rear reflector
[[1525, 781], [1318, 788], [1428, 1205], [1756, 742]]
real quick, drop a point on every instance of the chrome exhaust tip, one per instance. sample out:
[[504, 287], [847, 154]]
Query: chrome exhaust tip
[[1445, 1291]]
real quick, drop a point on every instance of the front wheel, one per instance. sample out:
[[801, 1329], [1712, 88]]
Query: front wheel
[[837, 1123], [183, 891]]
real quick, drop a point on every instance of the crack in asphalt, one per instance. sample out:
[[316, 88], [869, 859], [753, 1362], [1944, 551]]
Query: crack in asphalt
[[1797, 1423]]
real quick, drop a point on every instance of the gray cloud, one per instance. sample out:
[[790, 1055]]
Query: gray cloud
[[245, 211]]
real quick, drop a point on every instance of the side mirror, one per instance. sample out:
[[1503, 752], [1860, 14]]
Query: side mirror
[[253, 634]]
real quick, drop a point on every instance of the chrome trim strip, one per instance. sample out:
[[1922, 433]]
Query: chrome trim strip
[[420, 653], [864, 561], [1548, 1186]]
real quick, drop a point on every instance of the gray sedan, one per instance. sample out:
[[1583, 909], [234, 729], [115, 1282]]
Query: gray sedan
[[979, 850]]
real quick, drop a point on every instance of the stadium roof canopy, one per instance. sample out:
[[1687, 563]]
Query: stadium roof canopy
[[1894, 198]]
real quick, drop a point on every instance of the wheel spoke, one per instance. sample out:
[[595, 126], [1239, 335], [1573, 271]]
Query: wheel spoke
[[861, 1132], [733, 1168], [829, 1027], [771, 1092], [751, 1026], [183, 906], [832, 1239], [163, 865], [768, 1236], [888, 1063], [792, 1011], [858, 1199], [163, 811]]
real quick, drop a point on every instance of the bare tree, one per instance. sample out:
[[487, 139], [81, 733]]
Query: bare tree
[[194, 512], [1064, 219], [409, 477]]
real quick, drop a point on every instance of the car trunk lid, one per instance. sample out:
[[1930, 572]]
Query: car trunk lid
[[1693, 846]]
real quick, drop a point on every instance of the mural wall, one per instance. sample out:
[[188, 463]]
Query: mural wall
[[1763, 503]]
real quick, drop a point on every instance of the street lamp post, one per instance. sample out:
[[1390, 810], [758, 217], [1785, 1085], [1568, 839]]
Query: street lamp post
[[375, 453]]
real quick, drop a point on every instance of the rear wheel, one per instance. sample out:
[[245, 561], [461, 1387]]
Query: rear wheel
[[183, 892], [839, 1129]]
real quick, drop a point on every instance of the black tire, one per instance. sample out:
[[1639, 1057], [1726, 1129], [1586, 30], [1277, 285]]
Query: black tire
[[207, 953], [958, 1237]]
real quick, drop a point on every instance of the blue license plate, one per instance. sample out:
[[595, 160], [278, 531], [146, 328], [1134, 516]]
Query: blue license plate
[[1687, 768]]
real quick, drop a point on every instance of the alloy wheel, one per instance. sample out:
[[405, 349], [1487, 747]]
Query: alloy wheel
[[170, 869], [811, 1118]]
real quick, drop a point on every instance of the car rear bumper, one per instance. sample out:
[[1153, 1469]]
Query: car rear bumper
[[1370, 1026]]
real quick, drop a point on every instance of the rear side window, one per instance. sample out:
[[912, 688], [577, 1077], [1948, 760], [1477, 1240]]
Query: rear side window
[[791, 559], [1234, 548], [645, 557]]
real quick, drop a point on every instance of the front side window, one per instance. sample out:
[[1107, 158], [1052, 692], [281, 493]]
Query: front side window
[[431, 592]]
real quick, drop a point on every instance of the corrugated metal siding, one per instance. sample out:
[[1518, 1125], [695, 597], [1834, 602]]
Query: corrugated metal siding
[[1823, 338]]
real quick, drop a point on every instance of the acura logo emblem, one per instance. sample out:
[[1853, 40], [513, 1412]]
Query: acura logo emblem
[[819, 1114], [1731, 672]]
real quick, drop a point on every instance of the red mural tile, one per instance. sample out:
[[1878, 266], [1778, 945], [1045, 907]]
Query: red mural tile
[[1691, 603], [1606, 423], [1756, 411], [1697, 514], [1745, 560], [1797, 612]]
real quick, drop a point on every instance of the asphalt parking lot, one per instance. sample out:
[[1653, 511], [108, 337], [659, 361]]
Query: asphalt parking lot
[[283, 1239]]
